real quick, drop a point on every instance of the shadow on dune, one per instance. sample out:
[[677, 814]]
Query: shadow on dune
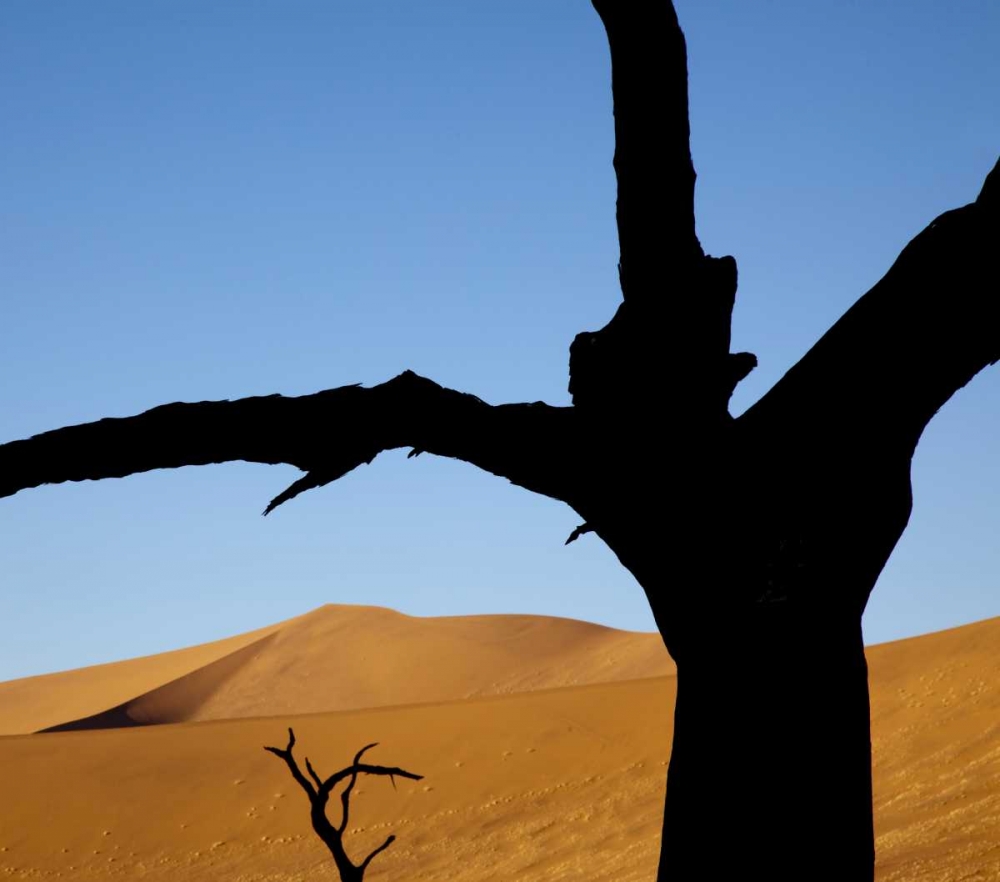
[[174, 702]]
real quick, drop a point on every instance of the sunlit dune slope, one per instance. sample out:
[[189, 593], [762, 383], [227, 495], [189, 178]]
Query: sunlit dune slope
[[338, 658], [936, 746], [550, 785], [33, 703], [564, 784]]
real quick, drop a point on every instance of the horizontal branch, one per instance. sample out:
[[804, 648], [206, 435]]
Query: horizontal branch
[[893, 359], [326, 434], [365, 769]]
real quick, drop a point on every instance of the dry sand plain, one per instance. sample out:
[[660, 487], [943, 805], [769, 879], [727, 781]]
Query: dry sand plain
[[543, 743]]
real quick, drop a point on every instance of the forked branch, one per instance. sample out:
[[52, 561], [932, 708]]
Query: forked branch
[[389, 840], [319, 794], [293, 766]]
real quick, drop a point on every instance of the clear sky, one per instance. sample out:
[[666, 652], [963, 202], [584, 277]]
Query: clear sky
[[214, 200]]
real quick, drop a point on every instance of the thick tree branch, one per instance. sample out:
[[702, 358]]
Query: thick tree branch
[[876, 378], [670, 337], [327, 434], [656, 226]]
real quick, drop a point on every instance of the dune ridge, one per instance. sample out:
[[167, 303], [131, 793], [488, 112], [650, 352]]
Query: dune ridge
[[173, 702], [31, 704], [341, 657]]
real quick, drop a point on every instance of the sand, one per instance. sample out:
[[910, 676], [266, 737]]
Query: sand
[[337, 657], [549, 766], [33, 703]]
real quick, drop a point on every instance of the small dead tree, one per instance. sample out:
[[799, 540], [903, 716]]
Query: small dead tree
[[319, 789]]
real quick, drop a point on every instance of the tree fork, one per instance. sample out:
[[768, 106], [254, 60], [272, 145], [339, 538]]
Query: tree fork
[[318, 791]]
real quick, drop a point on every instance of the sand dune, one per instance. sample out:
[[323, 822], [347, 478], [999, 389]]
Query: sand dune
[[340, 658], [936, 754], [33, 703], [552, 784], [173, 702], [564, 784]]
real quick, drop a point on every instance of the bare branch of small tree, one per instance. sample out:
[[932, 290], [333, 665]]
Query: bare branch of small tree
[[293, 766], [345, 796], [389, 840], [331, 835], [313, 774]]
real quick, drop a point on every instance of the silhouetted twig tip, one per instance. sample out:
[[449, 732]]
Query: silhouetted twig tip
[[578, 532]]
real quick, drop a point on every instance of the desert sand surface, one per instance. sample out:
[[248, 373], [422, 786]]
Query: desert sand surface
[[543, 782], [562, 784], [936, 755]]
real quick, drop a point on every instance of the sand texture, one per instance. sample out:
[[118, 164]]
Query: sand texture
[[543, 743]]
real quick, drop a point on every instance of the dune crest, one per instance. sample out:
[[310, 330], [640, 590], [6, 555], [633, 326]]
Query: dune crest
[[31, 704], [174, 702], [338, 657]]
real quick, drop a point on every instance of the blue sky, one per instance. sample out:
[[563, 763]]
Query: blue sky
[[206, 201]]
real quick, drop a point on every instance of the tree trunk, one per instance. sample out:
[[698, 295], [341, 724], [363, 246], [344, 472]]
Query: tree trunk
[[771, 762], [778, 529], [348, 872]]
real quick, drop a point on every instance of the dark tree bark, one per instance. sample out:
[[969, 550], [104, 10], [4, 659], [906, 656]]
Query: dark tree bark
[[319, 789], [757, 540]]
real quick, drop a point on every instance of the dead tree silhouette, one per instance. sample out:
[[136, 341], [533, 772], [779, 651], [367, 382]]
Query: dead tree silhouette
[[319, 790], [757, 540]]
